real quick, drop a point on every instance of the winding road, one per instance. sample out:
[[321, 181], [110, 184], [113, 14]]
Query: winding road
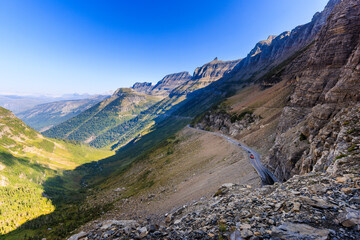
[[267, 178]]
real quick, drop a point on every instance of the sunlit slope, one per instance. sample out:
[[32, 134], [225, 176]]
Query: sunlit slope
[[27, 160]]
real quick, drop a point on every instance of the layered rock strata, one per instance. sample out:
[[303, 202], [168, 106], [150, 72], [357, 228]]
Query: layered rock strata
[[326, 79]]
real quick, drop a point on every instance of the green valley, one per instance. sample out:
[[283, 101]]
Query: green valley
[[27, 161]]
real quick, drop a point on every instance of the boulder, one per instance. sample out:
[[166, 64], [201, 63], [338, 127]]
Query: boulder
[[294, 231]]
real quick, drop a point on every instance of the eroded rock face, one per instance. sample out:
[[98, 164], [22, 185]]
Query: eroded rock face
[[273, 51], [205, 75], [326, 79], [227, 123], [143, 87], [214, 70], [169, 82]]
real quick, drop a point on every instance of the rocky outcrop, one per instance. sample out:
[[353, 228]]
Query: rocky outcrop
[[143, 87], [326, 79], [227, 123], [170, 82]]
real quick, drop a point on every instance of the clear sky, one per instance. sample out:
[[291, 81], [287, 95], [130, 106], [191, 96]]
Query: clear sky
[[93, 46]]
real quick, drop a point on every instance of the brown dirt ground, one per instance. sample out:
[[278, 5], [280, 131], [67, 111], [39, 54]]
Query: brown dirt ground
[[200, 164]]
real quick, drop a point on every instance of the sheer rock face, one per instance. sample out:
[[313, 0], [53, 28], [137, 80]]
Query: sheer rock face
[[143, 87], [271, 52], [326, 79], [205, 75], [214, 70], [169, 82]]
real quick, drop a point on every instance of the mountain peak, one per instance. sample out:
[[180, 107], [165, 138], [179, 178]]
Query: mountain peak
[[122, 91], [214, 70], [142, 87], [170, 82]]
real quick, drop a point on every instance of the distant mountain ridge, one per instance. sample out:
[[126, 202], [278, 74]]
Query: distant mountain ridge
[[164, 86], [170, 82], [268, 54], [21, 103], [142, 87], [44, 116], [205, 75], [123, 105]]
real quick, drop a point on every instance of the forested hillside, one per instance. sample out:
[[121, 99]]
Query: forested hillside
[[123, 105], [27, 161], [44, 116]]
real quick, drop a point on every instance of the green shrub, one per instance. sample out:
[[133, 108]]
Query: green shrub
[[350, 131], [341, 156], [352, 148]]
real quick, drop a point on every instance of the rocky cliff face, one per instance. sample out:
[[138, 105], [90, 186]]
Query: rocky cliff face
[[205, 75], [143, 87], [214, 70], [271, 52], [170, 82], [227, 123], [326, 79]]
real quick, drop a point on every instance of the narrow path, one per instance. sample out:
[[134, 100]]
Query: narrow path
[[267, 178]]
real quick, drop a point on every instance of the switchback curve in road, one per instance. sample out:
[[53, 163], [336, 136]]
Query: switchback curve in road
[[267, 178]]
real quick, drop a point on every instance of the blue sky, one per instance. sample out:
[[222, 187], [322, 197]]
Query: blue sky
[[93, 46]]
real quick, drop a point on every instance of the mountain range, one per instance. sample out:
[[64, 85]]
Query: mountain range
[[131, 112], [294, 99], [44, 116], [20, 103]]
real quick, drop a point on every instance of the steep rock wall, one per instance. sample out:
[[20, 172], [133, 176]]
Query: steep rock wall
[[326, 79]]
